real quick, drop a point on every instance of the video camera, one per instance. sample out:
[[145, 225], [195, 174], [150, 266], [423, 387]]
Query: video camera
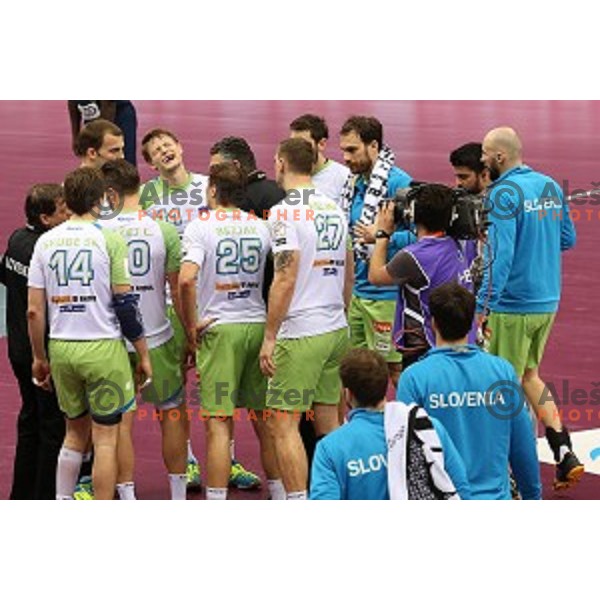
[[469, 215]]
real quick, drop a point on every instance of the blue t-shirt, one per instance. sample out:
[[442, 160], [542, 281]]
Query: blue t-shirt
[[351, 462], [397, 180], [478, 399], [530, 224]]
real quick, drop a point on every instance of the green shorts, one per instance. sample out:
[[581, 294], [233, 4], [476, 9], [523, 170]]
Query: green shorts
[[307, 371], [92, 377], [166, 389], [229, 374], [520, 338], [371, 323]]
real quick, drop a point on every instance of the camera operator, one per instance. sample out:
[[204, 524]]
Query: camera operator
[[470, 173], [435, 259]]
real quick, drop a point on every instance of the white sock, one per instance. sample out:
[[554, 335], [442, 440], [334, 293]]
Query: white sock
[[178, 485], [216, 493], [276, 489], [67, 473], [232, 449], [191, 456], [297, 495], [126, 490]]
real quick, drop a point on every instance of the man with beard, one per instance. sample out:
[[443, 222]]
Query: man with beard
[[371, 313], [530, 227], [470, 173]]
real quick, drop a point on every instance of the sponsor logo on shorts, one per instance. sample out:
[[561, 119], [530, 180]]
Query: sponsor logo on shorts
[[382, 327]]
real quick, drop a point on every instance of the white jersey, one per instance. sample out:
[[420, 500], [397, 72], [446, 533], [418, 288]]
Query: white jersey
[[76, 263], [331, 179], [231, 248], [318, 230], [154, 250], [177, 205]]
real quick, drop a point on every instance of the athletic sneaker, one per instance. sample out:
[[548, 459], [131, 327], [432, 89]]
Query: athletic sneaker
[[84, 489], [194, 478], [568, 472], [242, 479]]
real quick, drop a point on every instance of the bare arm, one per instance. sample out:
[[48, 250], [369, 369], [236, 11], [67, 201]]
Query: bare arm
[[173, 279], [187, 299], [282, 289], [280, 297], [348, 278], [378, 274], [36, 318]]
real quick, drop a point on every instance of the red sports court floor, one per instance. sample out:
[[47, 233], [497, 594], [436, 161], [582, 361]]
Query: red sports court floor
[[560, 138]]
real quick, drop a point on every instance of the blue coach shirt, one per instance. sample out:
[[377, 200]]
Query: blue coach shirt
[[351, 462], [490, 430], [530, 226], [397, 180]]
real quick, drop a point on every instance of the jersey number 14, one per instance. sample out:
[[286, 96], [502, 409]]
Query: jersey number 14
[[78, 269]]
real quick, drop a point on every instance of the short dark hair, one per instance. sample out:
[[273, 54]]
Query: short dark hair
[[368, 129], [312, 123], [121, 176], [92, 135], [365, 373], [236, 148], [229, 181], [469, 156], [453, 308], [41, 200], [299, 155], [433, 206], [84, 188], [154, 133]]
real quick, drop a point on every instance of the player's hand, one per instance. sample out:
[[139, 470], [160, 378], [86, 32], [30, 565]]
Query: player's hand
[[365, 233], [143, 373], [202, 327], [385, 218], [40, 371], [267, 366], [481, 319], [189, 355]]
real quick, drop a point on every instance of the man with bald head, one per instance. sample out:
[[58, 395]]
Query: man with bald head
[[530, 227]]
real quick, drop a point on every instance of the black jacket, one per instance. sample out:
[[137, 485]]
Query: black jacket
[[261, 194], [14, 268]]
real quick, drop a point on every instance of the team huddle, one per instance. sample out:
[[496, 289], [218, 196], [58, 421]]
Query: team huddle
[[302, 305]]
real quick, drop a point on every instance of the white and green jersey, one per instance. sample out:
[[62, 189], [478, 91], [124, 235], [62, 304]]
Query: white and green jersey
[[154, 250], [318, 230], [230, 247], [331, 179], [76, 263], [177, 205]]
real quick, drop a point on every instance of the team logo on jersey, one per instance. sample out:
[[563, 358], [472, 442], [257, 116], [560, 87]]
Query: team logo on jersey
[[279, 233]]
